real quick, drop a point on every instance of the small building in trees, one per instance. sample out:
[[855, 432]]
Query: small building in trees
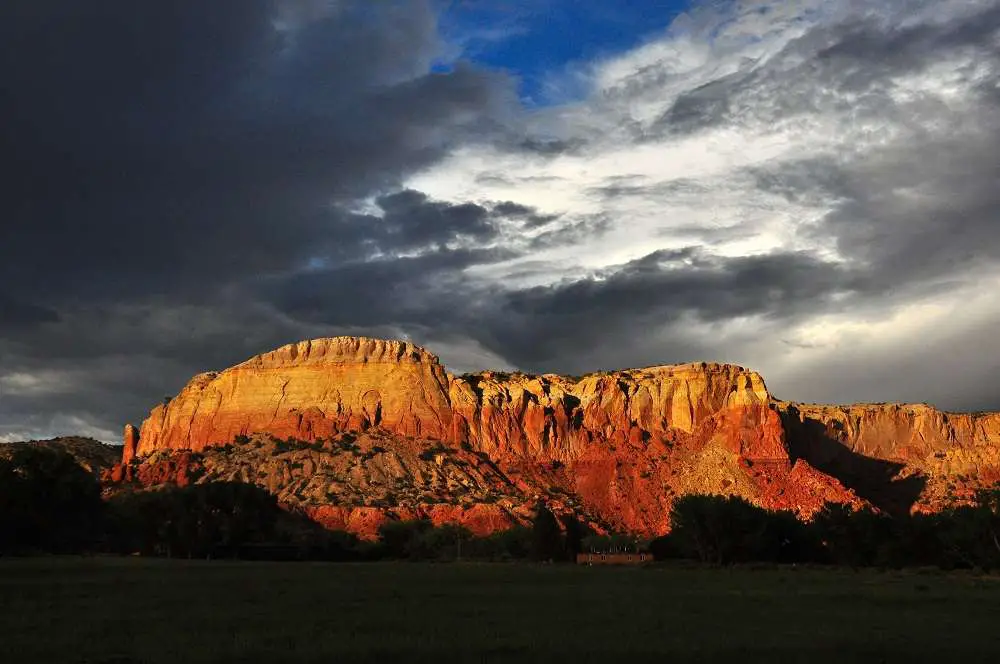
[[613, 558]]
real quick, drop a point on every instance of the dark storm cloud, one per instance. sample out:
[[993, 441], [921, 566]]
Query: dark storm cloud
[[159, 157], [624, 187], [152, 146], [550, 147], [918, 371], [914, 215], [887, 50], [104, 365], [526, 214], [424, 289], [660, 290], [183, 186], [810, 181], [543, 328], [512, 209], [408, 221], [14, 312], [917, 220], [702, 107]]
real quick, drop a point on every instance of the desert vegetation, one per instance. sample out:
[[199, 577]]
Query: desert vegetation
[[50, 504], [734, 582]]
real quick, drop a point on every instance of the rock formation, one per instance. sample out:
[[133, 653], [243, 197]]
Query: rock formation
[[899, 456], [130, 441], [614, 448], [316, 388], [92, 455]]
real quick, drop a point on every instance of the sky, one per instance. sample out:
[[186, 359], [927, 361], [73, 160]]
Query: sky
[[810, 188]]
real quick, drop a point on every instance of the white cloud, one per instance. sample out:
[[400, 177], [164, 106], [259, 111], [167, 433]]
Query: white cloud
[[763, 99], [630, 92]]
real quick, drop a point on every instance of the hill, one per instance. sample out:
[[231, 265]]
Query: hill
[[93, 455]]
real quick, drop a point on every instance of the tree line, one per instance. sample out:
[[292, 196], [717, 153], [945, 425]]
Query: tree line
[[49, 504], [728, 530]]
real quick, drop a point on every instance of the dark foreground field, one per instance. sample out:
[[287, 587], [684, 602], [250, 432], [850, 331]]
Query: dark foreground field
[[133, 610]]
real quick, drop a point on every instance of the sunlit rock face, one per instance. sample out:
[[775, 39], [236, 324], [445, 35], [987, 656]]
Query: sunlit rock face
[[613, 448], [307, 390], [899, 456], [315, 388]]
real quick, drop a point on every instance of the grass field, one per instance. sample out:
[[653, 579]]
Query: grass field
[[135, 610]]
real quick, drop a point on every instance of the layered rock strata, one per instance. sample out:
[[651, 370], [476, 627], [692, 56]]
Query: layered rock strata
[[621, 445]]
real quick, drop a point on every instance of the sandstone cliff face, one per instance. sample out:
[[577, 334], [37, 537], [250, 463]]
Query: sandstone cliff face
[[903, 455], [911, 433], [130, 441], [614, 448], [307, 390], [554, 417], [314, 389]]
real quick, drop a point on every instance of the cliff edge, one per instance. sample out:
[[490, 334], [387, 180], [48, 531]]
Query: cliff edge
[[617, 446]]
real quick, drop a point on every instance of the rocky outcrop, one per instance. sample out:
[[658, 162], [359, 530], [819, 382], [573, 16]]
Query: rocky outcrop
[[899, 456], [480, 519], [915, 434], [92, 455], [354, 481], [315, 389], [308, 390], [614, 448], [130, 441]]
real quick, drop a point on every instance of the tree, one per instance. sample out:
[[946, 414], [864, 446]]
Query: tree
[[728, 529], [402, 539], [575, 533], [970, 535], [213, 519], [988, 504], [852, 537], [709, 528], [546, 537], [664, 547], [444, 542], [48, 503], [512, 544]]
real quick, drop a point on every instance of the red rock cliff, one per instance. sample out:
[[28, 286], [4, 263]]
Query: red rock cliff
[[618, 445], [307, 390], [898, 455], [314, 388]]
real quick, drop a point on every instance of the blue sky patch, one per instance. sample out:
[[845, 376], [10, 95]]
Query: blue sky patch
[[534, 40]]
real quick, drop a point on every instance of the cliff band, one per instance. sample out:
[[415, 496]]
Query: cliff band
[[614, 447]]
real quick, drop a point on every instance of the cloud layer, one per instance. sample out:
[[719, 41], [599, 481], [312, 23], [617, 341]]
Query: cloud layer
[[809, 188]]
